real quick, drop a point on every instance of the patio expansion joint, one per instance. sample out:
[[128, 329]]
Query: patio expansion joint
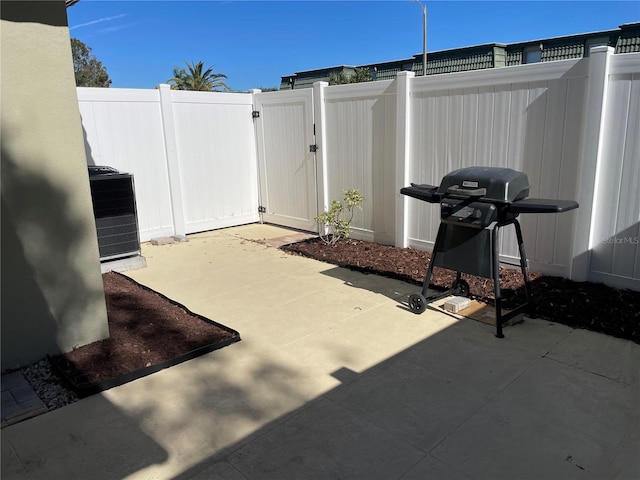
[[555, 345], [586, 370]]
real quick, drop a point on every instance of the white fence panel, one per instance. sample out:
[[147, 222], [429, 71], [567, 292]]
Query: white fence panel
[[192, 154], [615, 236], [504, 120], [217, 159], [123, 129], [360, 141]]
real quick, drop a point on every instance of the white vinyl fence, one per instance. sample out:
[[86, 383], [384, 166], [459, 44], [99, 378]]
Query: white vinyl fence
[[570, 125], [192, 154], [527, 118]]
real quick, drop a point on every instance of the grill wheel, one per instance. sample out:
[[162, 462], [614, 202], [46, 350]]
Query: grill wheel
[[417, 303], [461, 288]]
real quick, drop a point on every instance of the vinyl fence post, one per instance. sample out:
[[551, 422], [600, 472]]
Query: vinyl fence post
[[591, 166], [257, 136], [319, 119], [403, 155], [173, 167]]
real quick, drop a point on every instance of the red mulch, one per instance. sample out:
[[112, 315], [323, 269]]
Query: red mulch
[[147, 332], [585, 305]]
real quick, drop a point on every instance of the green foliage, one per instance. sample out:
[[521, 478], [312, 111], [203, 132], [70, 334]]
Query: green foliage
[[197, 79], [341, 78], [332, 224], [362, 75], [338, 78], [89, 72]]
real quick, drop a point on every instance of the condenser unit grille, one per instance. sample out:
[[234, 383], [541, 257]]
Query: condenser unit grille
[[114, 207]]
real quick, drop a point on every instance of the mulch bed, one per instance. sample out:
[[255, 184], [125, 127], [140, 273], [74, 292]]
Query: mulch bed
[[148, 332], [585, 305]]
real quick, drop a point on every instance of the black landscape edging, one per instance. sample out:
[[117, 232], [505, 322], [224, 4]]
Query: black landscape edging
[[87, 388]]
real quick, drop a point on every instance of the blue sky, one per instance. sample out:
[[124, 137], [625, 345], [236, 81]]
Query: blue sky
[[254, 43]]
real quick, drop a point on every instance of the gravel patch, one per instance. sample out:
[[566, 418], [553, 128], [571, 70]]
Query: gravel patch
[[48, 385]]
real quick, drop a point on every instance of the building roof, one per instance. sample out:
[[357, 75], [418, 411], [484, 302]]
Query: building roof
[[625, 39]]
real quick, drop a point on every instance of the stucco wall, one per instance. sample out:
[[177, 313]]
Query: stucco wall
[[52, 297]]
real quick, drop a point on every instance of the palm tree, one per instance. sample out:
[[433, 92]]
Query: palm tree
[[196, 79]]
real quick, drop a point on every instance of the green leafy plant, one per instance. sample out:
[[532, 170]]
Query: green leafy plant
[[341, 77], [335, 223]]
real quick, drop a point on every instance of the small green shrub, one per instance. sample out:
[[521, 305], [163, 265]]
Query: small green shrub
[[336, 222]]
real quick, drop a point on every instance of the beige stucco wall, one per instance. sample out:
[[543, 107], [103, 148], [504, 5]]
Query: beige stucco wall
[[52, 297]]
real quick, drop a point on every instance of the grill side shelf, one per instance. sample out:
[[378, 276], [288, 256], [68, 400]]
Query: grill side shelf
[[541, 205], [426, 193]]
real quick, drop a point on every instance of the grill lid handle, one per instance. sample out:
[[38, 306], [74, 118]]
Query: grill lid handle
[[467, 192]]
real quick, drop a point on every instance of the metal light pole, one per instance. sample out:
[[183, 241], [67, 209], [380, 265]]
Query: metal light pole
[[424, 36]]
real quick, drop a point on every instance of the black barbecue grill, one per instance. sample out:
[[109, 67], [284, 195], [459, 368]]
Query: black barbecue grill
[[475, 202]]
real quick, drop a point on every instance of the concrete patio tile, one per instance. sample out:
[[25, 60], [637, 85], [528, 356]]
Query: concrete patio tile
[[76, 420], [536, 335], [283, 324], [391, 288], [554, 421], [410, 401], [207, 247], [287, 307], [286, 289], [326, 441], [470, 353], [610, 357], [626, 464], [258, 231], [352, 344], [209, 410], [209, 403], [104, 455], [579, 401], [278, 280], [432, 468], [219, 470], [497, 447], [12, 468], [78, 443], [390, 329]]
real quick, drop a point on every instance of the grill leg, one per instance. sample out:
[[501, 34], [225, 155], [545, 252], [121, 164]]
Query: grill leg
[[496, 281], [436, 246], [523, 263], [496, 277]]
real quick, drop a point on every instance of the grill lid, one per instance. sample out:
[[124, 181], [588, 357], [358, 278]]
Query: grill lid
[[491, 184]]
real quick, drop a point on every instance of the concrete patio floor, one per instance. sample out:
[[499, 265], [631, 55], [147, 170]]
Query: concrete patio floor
[[335, 378]]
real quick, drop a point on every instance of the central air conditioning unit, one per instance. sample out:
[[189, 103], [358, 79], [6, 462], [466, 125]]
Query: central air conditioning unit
[[114, 208]]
